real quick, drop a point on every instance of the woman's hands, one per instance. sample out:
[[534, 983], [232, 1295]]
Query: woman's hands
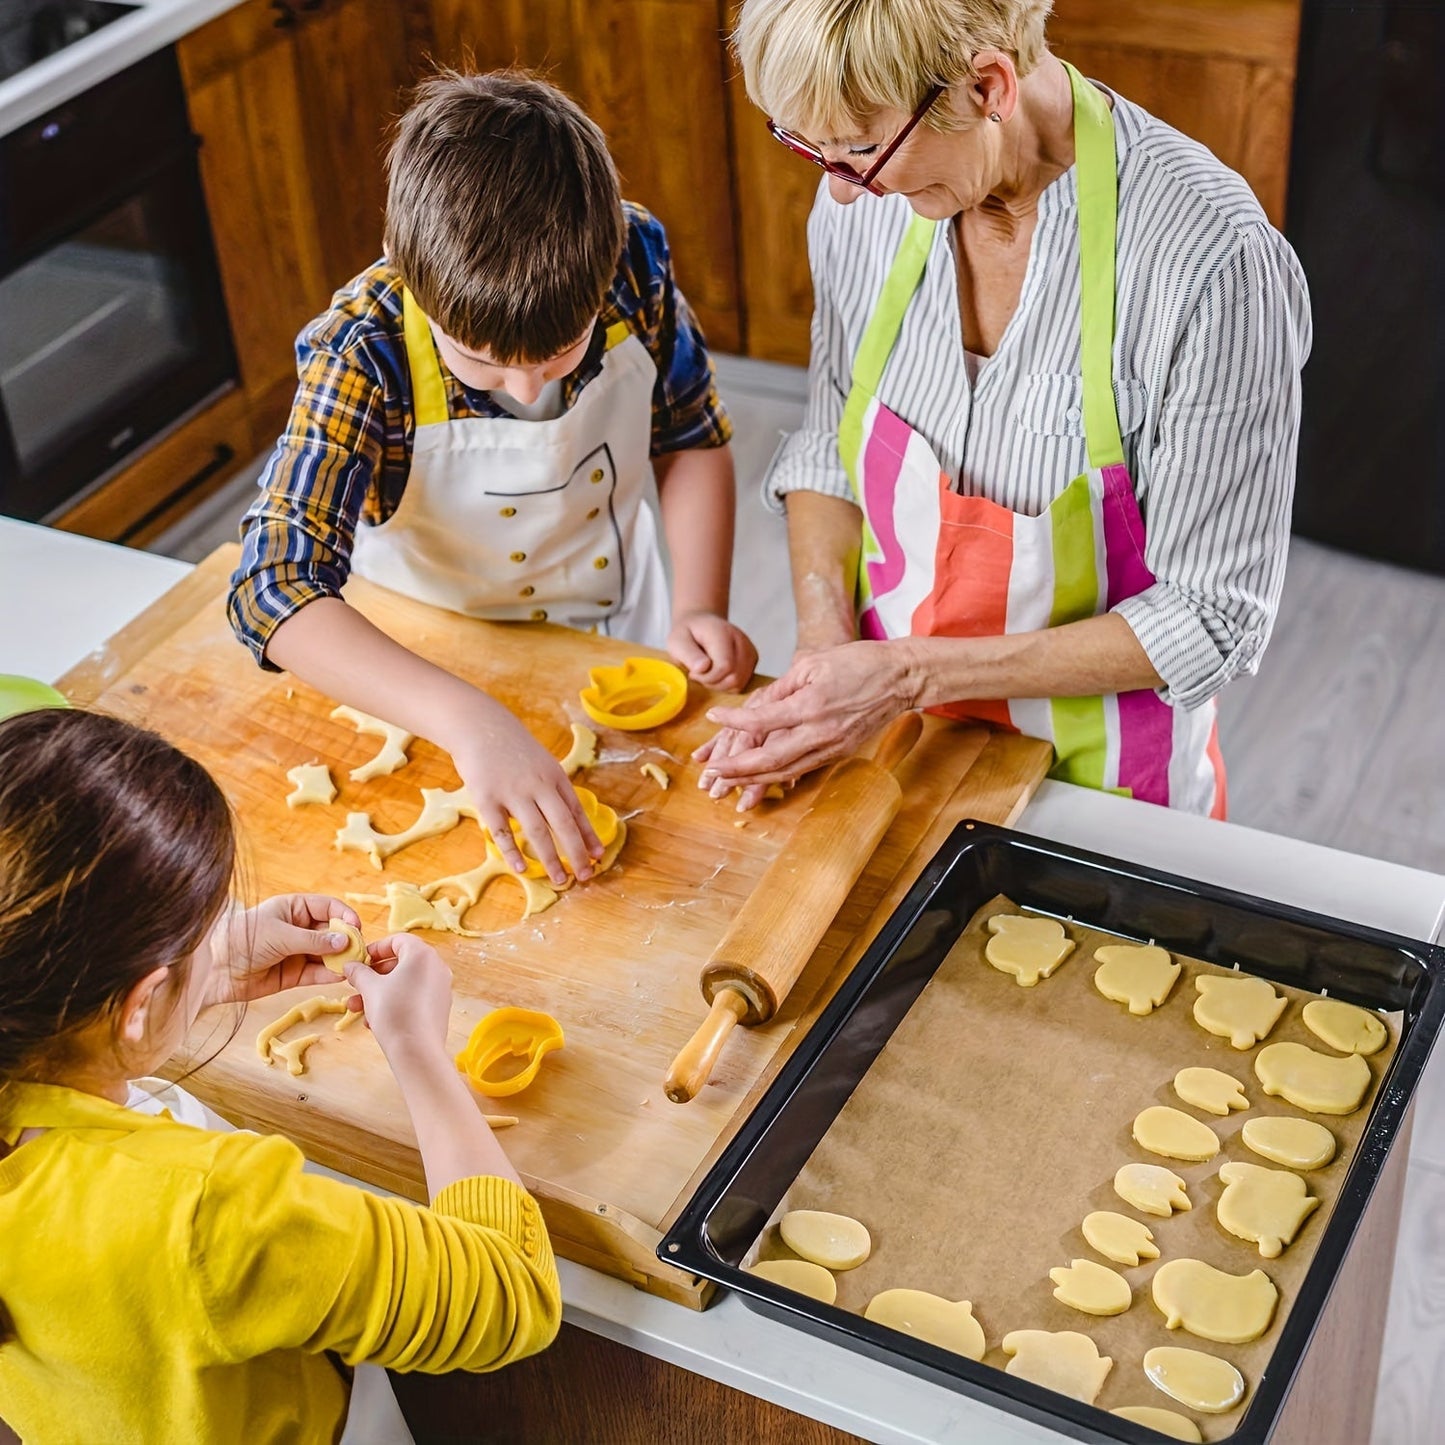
[[714, 651], [277, 945]]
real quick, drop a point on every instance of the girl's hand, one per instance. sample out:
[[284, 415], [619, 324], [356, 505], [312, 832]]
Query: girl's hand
[[406, 995], [509, 774], [714, 651], [277, 945]]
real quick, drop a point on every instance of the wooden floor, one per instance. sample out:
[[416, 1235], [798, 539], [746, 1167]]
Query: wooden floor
[[1339, 741]]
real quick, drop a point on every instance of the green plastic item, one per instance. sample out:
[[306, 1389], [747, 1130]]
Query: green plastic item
[[25, 694]]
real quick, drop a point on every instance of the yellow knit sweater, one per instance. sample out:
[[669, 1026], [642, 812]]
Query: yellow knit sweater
[[168, 1283]]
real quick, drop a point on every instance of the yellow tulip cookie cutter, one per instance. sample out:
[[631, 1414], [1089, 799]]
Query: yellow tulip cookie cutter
[[503, 1034], [650, 680]]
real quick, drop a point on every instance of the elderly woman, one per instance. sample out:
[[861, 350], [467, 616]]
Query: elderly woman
[[1046, 469]]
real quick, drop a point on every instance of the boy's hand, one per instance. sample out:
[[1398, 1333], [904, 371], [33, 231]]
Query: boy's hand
[[714, 651], [277, 945]]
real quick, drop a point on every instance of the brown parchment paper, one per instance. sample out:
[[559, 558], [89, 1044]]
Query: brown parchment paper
[[993, 1122]]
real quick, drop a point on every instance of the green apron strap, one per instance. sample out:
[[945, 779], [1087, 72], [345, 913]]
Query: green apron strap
[[1098, 187], [428, 390]]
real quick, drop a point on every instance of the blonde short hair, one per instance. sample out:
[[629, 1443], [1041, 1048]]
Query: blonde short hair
[[823, 66]]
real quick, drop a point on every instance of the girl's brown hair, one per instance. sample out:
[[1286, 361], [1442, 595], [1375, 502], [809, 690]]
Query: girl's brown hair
[[116, 857]]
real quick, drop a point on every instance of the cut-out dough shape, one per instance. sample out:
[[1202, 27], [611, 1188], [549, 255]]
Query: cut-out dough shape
[[583, 752], [1141, 977], [1117, 1237], [1344, 1027], [1311, 1080], [1151, 1188], [1241, 1009], [442, 809], [292, 1053], [949, 1324], [653, 771], [408, 908], [268, 1039], [394, 743], [1230, 1309], [1265, 1206], [1061, 1360], [1202, 1382], [1175, 1134], [1027, 948], [798, 1275], [312, 785], [1094, 1289], [1211, 1090], [1295, 1143], [832, 1240], [354, 953], [1166, 1422]]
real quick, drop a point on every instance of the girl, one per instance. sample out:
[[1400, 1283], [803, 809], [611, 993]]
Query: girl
[[161, 1282]]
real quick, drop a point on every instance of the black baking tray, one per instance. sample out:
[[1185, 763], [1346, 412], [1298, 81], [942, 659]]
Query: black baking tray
[[979, 861]]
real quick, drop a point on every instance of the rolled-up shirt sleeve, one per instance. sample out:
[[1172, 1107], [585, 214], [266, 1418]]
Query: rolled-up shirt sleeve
[[1218, 477]]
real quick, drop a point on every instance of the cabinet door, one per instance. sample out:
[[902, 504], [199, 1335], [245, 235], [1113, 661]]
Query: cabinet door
[[650, 73]]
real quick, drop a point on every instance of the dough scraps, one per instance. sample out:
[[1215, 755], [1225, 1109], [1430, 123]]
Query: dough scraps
[[442, 809], [1061, 1360], [292, 1053], [394, 743], [1230, 1309], [653, 771], [1094, 1289], [1240, 1008], [1211, 1090], [800, 1276], [1029, 948], [312, 784], [1203, 1382], [583, 752], [268, 1041], [1265, 1206], [1295, 1143], [1175, 1134], [1141, 977], [355, 953], [410, 909], [1311, 1080], [1117, 1237], [1166, 1422], [1344, 1027], [1152, 1189], [949, 1324], [832, 1240]]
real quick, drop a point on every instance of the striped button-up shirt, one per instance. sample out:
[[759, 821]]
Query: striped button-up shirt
[[1212, 327], [345, 455]]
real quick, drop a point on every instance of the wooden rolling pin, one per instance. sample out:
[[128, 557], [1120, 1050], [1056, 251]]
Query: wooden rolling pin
[[770, 941]]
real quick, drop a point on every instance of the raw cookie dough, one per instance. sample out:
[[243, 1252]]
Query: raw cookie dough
[[356, 953], [1265, 1206], [442, 809], [1211, 1090], [949, 1324], [1151, 1188], [1141, 977], [653, 771], [583, 752], [1062, 1360], [1175, 1134], [1092, 1288], [1241, 1009], [1119, 1238], [1203, 1382], [1166, 1422], [1310, 1080], [292, 1053], [394, 743], [1295, 1143], [1028, 948], [1344, 1027], [800, 1276], [832, 1240], [1230, 1309], [409, 908], [268, 1040], [312, 784]]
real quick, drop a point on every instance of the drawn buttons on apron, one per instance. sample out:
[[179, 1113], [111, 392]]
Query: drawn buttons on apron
[[598, 475], [519, 556], [599, 563], [592, 515], [528, 590], [509, 511], [539, 614]]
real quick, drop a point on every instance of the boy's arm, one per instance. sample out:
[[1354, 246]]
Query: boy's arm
[[698, 499]]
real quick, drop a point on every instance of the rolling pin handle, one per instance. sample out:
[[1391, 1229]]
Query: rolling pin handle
[[692, 1068], [898, 740]]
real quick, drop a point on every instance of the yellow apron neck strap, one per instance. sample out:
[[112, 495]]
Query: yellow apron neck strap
[[617, 333], [428, 390]]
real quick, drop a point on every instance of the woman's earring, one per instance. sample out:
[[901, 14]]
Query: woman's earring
[[995, 117]]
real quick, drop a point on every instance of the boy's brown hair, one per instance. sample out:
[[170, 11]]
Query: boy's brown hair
[[503, 214]]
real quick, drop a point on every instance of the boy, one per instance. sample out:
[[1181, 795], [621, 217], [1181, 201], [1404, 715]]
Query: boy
[[475, 422]]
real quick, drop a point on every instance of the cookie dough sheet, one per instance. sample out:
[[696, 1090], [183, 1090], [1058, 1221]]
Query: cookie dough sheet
[[994, 1120]]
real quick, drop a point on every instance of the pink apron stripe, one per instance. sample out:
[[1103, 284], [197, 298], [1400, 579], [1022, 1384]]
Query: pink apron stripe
[[883, 451], [1129, 575], [1146, 743]]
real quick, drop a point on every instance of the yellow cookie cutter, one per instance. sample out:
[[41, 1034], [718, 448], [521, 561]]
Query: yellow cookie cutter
[[503, 1034], [602, 818], [638, 680]]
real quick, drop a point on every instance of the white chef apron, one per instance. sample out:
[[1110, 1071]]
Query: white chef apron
[[541, 521]]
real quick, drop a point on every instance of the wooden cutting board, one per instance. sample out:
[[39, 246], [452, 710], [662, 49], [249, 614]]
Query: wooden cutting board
[[615, 961]]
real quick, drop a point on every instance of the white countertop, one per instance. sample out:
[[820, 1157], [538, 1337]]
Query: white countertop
[[62, 596]]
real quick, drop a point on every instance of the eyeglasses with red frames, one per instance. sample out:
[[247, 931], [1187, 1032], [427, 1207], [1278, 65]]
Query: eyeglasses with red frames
[[844, 172]]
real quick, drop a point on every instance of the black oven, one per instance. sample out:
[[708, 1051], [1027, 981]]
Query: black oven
[[112, 321]]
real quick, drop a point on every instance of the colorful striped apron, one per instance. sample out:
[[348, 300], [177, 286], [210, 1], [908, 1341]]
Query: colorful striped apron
[[938, 564]]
